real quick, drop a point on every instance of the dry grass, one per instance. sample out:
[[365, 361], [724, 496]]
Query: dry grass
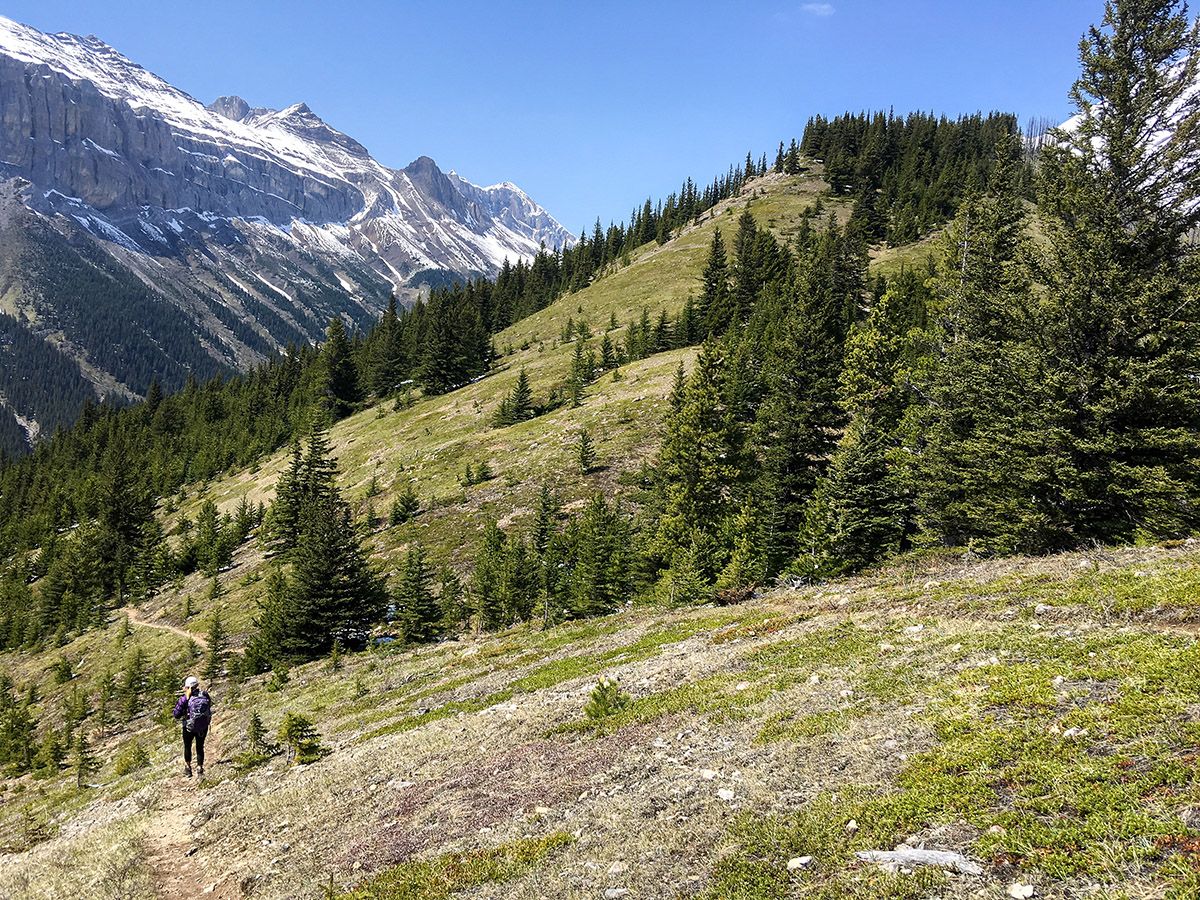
[[930, 715]]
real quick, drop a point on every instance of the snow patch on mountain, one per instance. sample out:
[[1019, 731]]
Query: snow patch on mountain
[[337, 198]]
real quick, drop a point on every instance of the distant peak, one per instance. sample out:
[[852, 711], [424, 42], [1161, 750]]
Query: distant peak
[[231, 107]]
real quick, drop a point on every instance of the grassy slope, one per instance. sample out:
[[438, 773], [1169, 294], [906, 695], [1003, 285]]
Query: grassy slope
[[1036, 714], [431, 443]]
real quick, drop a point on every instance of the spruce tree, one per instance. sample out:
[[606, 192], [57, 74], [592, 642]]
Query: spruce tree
[[747, 274], [106, 691], [334, 592], [338, 387], [135, 679], [518, 405], [714, 307], [599, 580], [404, 507], [548, 510], [608, 357], [256, 737], [418, 612], [1119, 198], [83, 760], [988, 425], [486, 586], [585, 452], [699, 463], [300, 737], [284, 514], [791, 162], [451, 599], [273, 622], [209, 550], [214, 665], [388, 361]]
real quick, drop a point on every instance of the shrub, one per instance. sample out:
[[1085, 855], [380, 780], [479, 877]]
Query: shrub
[[132, 758], [607, 699], [61, 670], [259, 748], [279, 677], [301, 739]]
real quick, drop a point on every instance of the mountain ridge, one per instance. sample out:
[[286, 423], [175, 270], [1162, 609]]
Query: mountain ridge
[[255, 225]]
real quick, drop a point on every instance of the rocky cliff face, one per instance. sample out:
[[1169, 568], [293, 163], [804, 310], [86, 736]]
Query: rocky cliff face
[[255, 225]]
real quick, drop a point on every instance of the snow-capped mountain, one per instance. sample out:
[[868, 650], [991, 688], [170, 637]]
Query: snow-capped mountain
[[246, 227]]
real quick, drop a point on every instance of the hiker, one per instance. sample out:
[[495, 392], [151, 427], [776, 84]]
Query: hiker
[[194, 709]]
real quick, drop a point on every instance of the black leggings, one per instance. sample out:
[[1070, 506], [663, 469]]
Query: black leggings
[[198, 737]]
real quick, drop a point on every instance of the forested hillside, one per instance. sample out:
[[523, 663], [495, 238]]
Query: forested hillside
[[720, 399]]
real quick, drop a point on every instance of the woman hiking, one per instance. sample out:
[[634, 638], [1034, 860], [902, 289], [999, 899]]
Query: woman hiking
[[194, 709]]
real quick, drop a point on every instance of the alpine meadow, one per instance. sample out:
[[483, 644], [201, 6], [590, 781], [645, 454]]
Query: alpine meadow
[[824, 529]]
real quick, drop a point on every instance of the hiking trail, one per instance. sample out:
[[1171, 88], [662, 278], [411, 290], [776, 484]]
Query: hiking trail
[[136, 618], [173, 858]]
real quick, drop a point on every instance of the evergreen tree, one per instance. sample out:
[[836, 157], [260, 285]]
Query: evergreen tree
[[83, 760], [715, 308], [518, 405], [256, 737], [215, 664], [791, 162], [599, 580], [50, 756], [418, 612], [1119, 199], [300, 737], [585, 452], [404, 507], [334, 592], [863, 507], [17, 730], [135, 680], [988, 425], [451, 599], [608, 357], [284, 515], [209, 548], [339, 388], [273, 624], [389, 362], [699, 463], [106, 692]]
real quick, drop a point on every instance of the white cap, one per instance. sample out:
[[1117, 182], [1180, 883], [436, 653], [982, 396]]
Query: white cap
[[191, 681]]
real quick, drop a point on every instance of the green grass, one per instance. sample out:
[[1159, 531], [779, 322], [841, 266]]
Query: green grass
[[569, 668], [1066, 754], [453, 873], [1071, 758], [757, 869], [430, 443]]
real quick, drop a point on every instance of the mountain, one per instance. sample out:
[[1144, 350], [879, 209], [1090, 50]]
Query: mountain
[[144, 233]]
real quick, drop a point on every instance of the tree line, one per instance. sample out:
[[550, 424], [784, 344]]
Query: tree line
[[1020, 394]]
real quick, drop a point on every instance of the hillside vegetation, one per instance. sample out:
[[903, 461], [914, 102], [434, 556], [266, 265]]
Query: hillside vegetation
[[739, 552], [1035, 715]]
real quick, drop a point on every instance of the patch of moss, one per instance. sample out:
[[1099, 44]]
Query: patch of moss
[[453, 873]]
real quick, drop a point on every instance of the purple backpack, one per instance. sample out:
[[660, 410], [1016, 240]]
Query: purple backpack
[[199, 711]]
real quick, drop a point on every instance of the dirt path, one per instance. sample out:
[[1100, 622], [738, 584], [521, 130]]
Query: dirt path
[[173, 858], [135, 618]]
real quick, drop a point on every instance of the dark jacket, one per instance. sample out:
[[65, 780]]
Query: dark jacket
[[180, 712]]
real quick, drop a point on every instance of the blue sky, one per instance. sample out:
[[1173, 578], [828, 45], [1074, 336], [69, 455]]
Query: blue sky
[[591, 107]]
